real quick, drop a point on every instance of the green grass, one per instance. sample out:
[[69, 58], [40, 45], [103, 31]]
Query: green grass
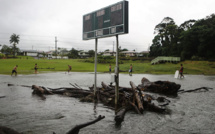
[[26, 66]]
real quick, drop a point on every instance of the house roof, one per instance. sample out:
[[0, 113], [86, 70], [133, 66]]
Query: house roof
[[127, 52], [32, 51]]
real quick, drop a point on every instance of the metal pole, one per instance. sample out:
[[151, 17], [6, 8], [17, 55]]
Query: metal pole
[[117, 74], [56, 46], [95, 70]]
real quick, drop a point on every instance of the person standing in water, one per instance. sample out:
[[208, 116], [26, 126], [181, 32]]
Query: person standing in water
[[110, 68], [130, 70], [14, 70], [181, 71], [35, 68], [69, 68]]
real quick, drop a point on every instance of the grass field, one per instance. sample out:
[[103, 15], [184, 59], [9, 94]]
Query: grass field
[[26, 66]]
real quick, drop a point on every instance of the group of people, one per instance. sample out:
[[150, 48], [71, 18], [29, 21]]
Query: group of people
[[130, 69], [15, 70], [70, 68]]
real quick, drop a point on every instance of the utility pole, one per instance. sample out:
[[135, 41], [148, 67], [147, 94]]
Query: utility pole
[[56, 46]]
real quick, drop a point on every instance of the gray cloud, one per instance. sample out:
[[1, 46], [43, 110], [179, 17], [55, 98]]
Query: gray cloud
[[39, 21]]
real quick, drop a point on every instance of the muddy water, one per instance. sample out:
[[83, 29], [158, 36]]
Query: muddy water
[[26, 113]]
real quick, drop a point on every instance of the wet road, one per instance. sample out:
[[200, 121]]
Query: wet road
[[19, 109]]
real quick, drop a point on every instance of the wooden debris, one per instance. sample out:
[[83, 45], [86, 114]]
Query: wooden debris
[[130, 98], [194, 90], [77, 128], [6, 130]]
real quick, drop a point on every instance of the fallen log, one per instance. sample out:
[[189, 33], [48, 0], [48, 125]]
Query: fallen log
[[148, 103], [77, 128], [197, 89], [106, 87], [6, 130], [120, 115], [162, 87], [18, 85], [137, 97], [135, 107], [37, 90], [2, 96]]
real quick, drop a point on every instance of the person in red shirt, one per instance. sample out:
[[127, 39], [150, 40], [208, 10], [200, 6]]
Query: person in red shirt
[[70, 68], [14, 70], [181, 71]]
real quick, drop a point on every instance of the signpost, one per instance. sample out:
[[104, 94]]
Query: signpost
[[106, 22]]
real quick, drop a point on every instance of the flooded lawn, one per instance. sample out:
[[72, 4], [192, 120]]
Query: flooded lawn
[[190, 112]]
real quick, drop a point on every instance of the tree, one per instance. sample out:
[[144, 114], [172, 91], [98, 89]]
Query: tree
[[124, 49], [63, 52], [198, 41], [191, 39], [73, 53], [14, 39], [91, 53], [187, 25], [6, 50], [166, 38]]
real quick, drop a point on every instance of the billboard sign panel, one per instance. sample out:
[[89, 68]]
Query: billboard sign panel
[[108, 21]]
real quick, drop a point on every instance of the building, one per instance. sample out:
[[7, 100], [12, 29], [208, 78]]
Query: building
[[129, 53], [33, 53], [109, 53], [83, 54]]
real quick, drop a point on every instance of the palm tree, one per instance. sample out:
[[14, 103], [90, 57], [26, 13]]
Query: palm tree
[[15, 40]]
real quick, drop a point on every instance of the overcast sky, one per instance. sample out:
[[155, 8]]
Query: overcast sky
[[38, 22]]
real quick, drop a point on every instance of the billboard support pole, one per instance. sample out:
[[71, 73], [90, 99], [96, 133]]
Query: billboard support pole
[[117, 74], [95, 69]]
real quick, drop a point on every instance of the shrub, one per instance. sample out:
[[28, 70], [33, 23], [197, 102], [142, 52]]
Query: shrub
[[2, 55]]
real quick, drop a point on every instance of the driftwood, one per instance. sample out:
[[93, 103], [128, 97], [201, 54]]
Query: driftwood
[[6, 130], [162, 87], [120, 115], [135, 107], [197, 89], [134, 98], [77, 128], [19, 85], [130, 98], [2, 96], [137, 97], [40, 91]]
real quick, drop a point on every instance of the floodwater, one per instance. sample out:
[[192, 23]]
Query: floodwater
[[190, 113]]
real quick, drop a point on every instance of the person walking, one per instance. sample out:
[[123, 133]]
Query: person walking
[[14, 70], [130, 70], [35, 68], [181, 71], [110, 68], [69, 68]]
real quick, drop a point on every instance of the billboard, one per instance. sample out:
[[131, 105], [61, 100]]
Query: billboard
[[108, 21]]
